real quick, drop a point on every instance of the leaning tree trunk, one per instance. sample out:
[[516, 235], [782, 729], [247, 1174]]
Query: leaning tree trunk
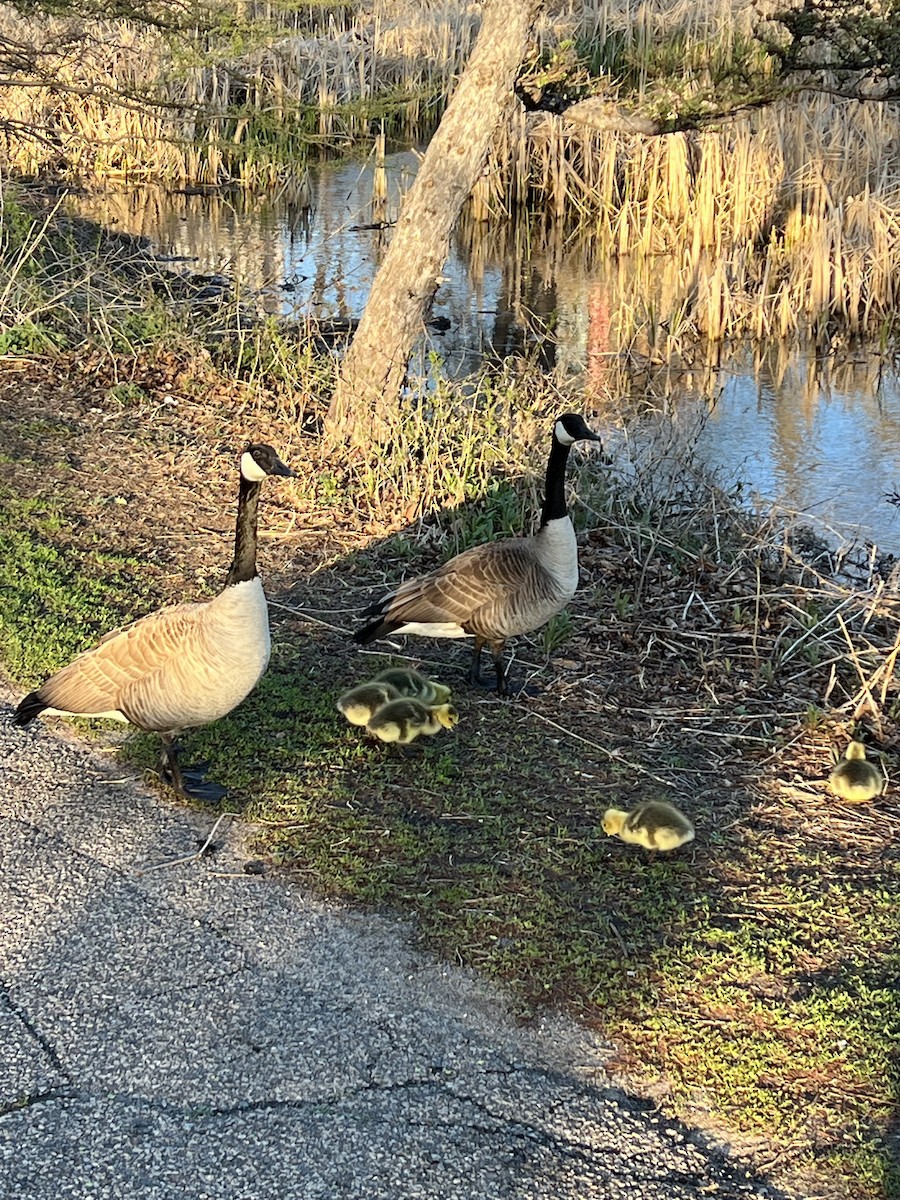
[[374, 368]]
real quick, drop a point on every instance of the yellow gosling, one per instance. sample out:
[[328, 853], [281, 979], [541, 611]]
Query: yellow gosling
[[402, 721], [854, 778], [413, 684], [655, 825], [361, 703]]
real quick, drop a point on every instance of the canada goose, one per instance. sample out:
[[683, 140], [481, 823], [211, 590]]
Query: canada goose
[[655, 825], [402, 721], [184, 665], [360, 703], [499, 589], [854, 778], [408, 682]]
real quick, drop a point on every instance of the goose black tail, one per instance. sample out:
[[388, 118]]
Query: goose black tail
[[375, 629], [29, 708]]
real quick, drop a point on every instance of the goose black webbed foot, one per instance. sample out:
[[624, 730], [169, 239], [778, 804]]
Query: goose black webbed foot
[[192, 785], [195, 786], [486, 684], [189, 782]]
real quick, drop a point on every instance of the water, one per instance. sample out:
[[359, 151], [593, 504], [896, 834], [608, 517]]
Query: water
[[836, 458], [826, 443]]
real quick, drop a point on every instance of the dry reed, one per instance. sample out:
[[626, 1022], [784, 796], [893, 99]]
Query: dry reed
[[783, 224], [246, 116]]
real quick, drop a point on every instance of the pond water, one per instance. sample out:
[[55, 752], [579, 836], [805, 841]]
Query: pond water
[[820, 441]]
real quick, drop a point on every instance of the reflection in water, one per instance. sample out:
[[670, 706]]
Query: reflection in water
[[827, 444], [833, 452]]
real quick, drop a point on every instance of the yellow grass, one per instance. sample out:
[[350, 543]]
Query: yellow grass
[[327, 79], [780, 223]]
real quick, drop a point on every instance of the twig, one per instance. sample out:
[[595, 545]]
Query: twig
[[174, 862], [864, 696], [302, 613], [807, 633], [611, 754], [888, 666]]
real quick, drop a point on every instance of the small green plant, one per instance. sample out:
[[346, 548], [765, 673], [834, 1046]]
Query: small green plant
[[146, 326], [766, 671], [127, 394], [30, 337], [557, 631], [498, 513], [814, 717], [623, 603]]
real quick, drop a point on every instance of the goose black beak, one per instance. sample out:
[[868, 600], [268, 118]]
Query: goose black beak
[[284, 470]]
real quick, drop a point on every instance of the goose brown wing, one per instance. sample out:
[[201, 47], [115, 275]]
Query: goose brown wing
[[483, 576], [115, 674]]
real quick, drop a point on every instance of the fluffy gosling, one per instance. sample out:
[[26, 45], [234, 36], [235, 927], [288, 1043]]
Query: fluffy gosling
[[655, 825], [361, 703], [412, 684], [854, 778], [402, 721]]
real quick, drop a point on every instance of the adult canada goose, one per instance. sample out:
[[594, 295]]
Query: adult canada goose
[[402, 721], [409, 682], [362, 702], [499, 589], [184, 665], [655, 825], [854, 778]]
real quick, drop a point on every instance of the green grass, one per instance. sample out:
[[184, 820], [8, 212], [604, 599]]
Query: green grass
[[59, 594]]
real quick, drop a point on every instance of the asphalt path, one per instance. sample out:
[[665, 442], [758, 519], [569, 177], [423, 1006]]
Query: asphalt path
[[174, 1029]]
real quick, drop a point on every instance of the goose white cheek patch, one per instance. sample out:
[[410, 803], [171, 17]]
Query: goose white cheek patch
[[563, 436], [250, 468]]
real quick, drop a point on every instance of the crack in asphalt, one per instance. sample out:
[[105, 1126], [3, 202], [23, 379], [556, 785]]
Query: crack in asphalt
[[32, 1100], [25, 1021], [531, 1135]]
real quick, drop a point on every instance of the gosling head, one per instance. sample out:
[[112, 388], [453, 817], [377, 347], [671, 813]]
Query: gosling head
[[613, 821], [360, 703], [856, 750], [260, 460], [447, 714]]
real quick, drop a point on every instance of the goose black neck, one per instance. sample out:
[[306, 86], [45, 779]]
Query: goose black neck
[[555, 493], [244, 565]]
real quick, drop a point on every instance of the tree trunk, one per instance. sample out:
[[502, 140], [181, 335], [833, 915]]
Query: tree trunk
[[375, 365]]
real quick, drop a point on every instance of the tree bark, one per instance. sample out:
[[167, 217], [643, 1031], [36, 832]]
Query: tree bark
[[374, 368]]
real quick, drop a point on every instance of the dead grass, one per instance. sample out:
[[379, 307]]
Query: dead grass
[[246, 103]]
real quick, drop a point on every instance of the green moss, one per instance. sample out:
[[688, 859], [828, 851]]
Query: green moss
[[58, 596]]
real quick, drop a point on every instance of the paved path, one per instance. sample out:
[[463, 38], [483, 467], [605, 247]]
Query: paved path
[[201, 1032]]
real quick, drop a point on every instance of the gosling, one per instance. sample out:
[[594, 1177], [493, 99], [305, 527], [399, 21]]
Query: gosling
[[361, 703], [412, 684], [655, 825], [854, 778], [402, 721]]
